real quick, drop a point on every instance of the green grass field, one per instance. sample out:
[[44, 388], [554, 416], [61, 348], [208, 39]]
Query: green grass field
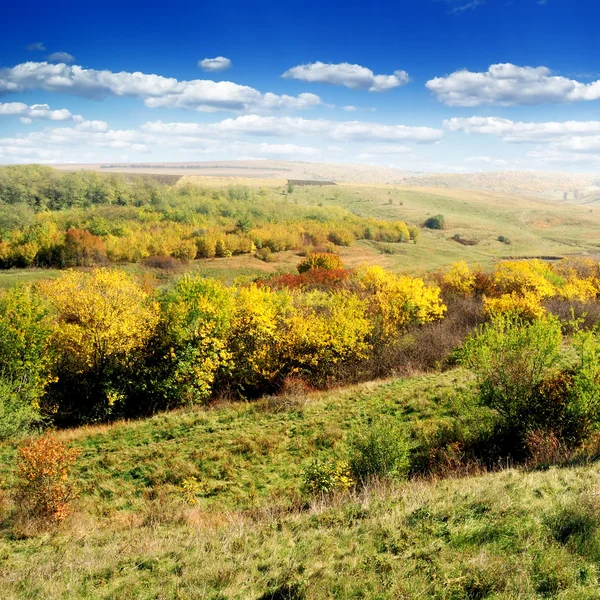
[[251, 533]]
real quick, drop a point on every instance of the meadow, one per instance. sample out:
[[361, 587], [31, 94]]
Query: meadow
[[394, 404], [243, 530]]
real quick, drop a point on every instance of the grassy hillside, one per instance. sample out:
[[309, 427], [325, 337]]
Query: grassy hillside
[[474, 222], [244, 529], [534, 227]]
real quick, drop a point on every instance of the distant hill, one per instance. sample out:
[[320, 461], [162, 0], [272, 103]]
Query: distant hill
[[571, 187]]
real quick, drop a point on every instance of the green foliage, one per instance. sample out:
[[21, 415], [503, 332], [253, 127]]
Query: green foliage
[[17, 416], [16, 216], [436, 222], [192, 342], [381, 451], [517, 364], [24, 359], [510, 358], [325, 476]]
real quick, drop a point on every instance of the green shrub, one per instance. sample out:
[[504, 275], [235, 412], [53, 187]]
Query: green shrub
[[382, 451], [325, 476], [16, 416], [504, 240], [437, 222], [511, 358], [265, 255], [24, 359]]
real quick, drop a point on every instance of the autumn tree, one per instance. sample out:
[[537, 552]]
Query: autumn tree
[[82, 249], [191, 342], [101, 320]]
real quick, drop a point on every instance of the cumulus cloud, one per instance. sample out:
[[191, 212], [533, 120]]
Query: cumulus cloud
[[511, 131], [154, 90], [71, 143], [35, 111], [348, 75], [567, 142], [37, 46], [354, 131], [60, 57], [508, 84], [219, 63]]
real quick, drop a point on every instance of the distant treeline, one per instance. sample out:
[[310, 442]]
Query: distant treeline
[[309, 182], [86, 218], [178, 166]]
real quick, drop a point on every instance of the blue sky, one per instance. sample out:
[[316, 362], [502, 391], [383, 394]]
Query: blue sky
[[437, 85]]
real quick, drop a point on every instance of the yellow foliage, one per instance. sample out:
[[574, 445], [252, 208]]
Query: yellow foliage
[[400, 301], [257, 332], [460, 279], [100, 315], [578, 289], [327, 329], [527, 305], [524, 276]]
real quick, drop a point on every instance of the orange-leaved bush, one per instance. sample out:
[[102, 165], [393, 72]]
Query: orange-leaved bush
[[44, 491]]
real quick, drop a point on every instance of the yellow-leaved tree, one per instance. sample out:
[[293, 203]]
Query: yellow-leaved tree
[[102, 319], [257, 335], [525, 276], [325, 331], [460, 279], [192, 345], [399, 301]]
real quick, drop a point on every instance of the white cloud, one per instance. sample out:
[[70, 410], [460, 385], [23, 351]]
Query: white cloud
[[568, 142], [554, 156], [355, 131], [37, 46], [511, 131], [35, 111], [61, 57], [346, 74], [70, 144], [219, 63], [244, 137], [461, 8], [154, 90], [508, 84]]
